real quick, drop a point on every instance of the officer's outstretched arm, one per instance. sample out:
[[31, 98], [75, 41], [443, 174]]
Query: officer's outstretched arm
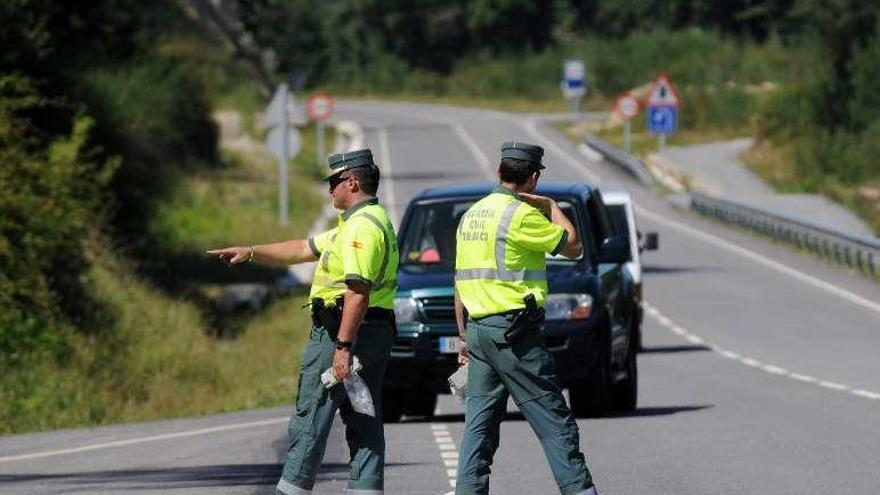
[[279, 253], [573, 247]]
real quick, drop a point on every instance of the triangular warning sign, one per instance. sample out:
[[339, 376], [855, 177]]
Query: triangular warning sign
[[663, 93]]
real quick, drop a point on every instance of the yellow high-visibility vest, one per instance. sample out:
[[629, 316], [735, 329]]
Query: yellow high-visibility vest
[[361, 247], [500, 253]]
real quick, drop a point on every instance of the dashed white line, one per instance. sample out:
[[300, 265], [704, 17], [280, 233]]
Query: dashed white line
[[834, 386], [730, 355], [804, 378], [448, 451], [775, 370], [866, 394], [754, 363]]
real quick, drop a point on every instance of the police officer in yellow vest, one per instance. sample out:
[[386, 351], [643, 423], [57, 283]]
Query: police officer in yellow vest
[[352, 300], [500, 286]]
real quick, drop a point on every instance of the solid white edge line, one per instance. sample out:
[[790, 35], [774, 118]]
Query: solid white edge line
[[387, 181], [154, 438], [474, 149], [531, 127]]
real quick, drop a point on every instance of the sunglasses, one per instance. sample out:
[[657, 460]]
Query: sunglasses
[[336, 180]]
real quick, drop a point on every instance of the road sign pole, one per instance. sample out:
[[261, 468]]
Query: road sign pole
[[627, 137], [282, 162], [319, 132], [661, 143]]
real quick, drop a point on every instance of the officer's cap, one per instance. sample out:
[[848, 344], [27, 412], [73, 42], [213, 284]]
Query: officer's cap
[[340, 162], [523, 151]]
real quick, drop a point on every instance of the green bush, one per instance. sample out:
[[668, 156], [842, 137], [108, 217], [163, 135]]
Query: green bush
[[49, 197]]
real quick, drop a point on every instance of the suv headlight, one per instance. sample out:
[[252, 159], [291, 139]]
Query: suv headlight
[[568, 306], [406, 309]]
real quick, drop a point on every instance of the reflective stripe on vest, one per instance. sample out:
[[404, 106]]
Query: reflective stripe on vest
[[500, 272], [380, 280]]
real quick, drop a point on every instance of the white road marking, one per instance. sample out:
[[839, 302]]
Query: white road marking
[[531, 127], [730, 355], [834, 386], [754, 363], [482, 159], [153, 438], [775, 370], [804, 378], [387, 181], [448, 450], [866, 394]]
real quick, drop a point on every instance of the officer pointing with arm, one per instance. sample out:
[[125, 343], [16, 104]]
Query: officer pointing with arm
[[352, 300], [500, 287]]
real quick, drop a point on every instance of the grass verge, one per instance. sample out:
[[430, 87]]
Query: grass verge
[[158, 355]]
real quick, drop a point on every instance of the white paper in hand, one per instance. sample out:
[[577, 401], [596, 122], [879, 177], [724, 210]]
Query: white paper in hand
[[458, 383]]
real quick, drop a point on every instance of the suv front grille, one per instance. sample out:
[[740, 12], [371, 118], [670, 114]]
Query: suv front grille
[[438, 308]]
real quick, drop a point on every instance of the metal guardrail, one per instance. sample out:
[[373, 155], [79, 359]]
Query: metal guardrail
[[628, 162], [856, 252], [853, 251]]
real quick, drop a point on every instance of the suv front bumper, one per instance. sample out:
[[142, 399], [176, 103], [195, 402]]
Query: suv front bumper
[[416, 360]]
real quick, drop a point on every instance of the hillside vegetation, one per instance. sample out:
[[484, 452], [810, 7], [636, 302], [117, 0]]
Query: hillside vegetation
[[113, 181]]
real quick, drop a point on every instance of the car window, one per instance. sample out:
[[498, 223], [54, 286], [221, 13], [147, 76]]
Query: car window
[[618, 219], [429, 234]]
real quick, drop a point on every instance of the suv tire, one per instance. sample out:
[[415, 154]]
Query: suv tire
[[625, 393]]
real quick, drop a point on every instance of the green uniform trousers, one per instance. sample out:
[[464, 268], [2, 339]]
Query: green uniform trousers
[[524, 370], [316, 407]]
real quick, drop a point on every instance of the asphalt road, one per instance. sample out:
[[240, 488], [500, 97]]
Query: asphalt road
[[761, 373]]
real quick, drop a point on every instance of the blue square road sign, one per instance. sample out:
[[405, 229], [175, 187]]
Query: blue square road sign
[[662, 119]]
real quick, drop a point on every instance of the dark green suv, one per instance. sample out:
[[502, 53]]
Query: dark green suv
[[590, 317]]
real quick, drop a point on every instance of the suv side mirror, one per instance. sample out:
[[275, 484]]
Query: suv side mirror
[[615, 249], [651, 243]]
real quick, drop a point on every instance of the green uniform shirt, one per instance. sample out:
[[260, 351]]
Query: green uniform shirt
[[500, 253], [361, 247]]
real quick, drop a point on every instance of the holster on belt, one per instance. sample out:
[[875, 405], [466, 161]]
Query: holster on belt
[[524, 321], [328, 317]]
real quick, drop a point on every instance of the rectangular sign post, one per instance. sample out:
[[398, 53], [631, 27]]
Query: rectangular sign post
[[319, 108], [663, 103], [282, 163], [283, 141], [574, 84], [628, 108]]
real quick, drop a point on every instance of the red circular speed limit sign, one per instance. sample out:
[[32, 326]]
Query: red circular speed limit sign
[[628, 106], [319, 106]]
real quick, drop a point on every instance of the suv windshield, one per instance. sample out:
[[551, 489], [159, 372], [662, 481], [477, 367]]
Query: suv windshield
[[430, 232]]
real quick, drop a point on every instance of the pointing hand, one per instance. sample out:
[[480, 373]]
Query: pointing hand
[[232, 255]]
